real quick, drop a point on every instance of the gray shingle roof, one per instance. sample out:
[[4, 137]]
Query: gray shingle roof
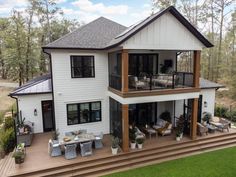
[[204, 84], [39, 85], [104, 33], [96, 34]]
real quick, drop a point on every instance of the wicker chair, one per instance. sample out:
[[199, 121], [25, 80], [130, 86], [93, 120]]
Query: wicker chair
[[98, 141], [54, 149], [86, 149], [201, 129], [70, 151], [220, 123]]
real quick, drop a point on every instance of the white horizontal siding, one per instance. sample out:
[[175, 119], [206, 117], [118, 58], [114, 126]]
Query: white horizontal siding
[[165, 33], [27, 104], [208, 96], [77, 90]]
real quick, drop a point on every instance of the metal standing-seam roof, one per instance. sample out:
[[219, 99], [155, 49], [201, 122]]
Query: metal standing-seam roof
[[43, 84], [103, 33], [206, 84], [39, 85]]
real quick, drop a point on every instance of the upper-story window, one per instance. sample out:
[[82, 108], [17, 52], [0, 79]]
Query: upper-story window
[[82, 66]]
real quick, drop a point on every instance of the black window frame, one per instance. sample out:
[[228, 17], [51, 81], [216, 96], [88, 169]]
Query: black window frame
[[82, 66], [90, 112]]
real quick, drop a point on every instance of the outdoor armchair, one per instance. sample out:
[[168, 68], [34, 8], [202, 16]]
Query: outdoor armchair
[[70, 151], [98, 141], [54, 149], [86, 149], [201, 129]]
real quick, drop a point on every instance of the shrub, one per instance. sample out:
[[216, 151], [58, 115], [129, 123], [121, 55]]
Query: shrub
[[9, 123], [221, 111], [7, 140], [166, 116]]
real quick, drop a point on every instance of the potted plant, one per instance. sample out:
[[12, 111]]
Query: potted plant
[[178, 136], [55, 135], [114, 145], [19, 153], [19, 157], [166, 116], [140, 142], [180, 128], [21, 125], [206, 117], [132, 137]]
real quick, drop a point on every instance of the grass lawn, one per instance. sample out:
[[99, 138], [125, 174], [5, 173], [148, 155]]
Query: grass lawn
[[220, 163]]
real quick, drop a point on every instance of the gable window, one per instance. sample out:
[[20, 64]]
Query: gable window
[[80, 113], [82, 66]]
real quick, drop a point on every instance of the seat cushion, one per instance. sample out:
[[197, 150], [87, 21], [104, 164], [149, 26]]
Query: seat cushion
[[160, 122]]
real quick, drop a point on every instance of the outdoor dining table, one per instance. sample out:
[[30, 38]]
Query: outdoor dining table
[[76, 139]]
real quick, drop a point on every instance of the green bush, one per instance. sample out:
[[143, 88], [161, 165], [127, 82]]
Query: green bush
[[9, 123], [7, 140], [221, 111]]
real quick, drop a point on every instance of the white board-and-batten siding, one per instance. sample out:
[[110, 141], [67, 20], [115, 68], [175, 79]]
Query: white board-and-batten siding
[[69, 90], [28, 103], [165, 33]]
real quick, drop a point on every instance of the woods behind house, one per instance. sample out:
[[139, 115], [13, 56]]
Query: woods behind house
[[24, 33]]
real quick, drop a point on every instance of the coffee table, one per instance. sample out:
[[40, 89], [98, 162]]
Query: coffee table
[[151, 131], [211, 128]]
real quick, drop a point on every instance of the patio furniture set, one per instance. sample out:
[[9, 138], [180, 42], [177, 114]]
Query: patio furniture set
[[161, 127], [73, 141], [159, 81], [214, 124]]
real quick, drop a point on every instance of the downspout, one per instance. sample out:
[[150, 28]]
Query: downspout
[[50, 62], [17, 112]]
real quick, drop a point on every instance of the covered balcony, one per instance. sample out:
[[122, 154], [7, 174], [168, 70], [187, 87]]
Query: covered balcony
[[145, 71]]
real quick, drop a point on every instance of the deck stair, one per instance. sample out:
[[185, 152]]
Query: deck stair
[[137, 158]]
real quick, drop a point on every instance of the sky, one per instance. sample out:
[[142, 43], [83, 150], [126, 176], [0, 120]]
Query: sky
[[125, 12]]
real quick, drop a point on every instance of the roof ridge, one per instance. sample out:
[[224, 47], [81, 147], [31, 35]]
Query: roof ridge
[[81, 27]]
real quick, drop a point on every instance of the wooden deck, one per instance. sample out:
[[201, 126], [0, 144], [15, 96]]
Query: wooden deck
[[37, 157]]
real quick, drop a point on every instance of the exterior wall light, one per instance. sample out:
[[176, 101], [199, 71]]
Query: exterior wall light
[[35, 112], [205, 104]]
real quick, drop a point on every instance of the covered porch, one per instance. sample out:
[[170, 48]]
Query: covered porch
[[146, 113]]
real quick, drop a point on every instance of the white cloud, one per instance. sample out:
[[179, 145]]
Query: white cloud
[[81, 15], [6, 6], [88, 6], [60, 1]]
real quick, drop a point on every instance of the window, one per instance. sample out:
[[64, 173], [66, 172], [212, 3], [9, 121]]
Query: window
[[84, 113], [82, 66]]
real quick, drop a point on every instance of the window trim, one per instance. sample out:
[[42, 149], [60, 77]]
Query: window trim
[[71, 67], [78, 113]]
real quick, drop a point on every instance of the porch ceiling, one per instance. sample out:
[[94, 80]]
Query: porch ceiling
[[157, 98]]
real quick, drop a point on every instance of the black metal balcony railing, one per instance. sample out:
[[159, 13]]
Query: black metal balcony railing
[[115, 81], [161, 81]]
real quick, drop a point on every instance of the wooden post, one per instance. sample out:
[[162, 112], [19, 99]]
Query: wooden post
[[125, 127], [196, 70], [193, 132], [124, 70]]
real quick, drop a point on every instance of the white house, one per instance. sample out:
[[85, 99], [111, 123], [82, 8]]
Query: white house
[[105, 76]]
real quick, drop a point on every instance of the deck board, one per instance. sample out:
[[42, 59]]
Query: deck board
[[37, 157]]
